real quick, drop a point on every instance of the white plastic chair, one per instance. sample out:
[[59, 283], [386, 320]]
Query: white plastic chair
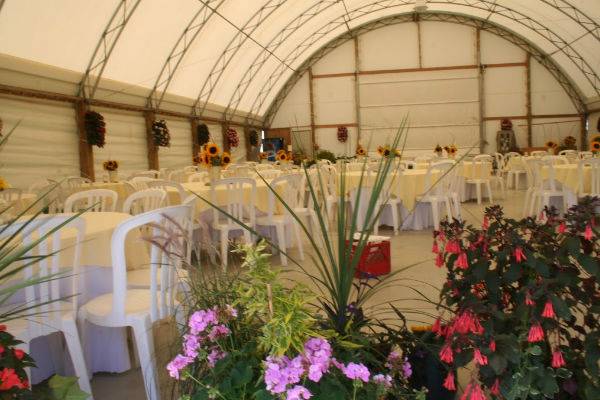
[[571, 155], [594, 165], [74, 182], [261, 167], [97, 200], [166, 185], [515, 168], [199, 177], [240, 194], [481, 176], [545, 188], [50, 314], [190, 169], [585, 154], [268, 174], [439, 192], [140, 308], [144, 200], [425, 159], [140, 182], [406, 164], [11, 194], [177, 175], [539, 153], [556, 160], [144, 174], [280, 222]]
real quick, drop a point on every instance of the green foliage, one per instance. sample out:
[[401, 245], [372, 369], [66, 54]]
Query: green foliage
[[326, 155], [287, 321]]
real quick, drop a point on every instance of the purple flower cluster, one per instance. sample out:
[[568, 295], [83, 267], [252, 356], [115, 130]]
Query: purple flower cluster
[[205, 329], [283, 374], [395, 362]]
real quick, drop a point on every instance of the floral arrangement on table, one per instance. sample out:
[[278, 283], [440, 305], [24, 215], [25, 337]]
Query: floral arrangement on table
[[203, 135], [360, 151], [13, 379], [342, 134], [253, 138], [525, 298], [284, 156], [232, 137], [95, 128], [4, 184], [160, 133], [196, 160], [211, 156], [595, 144], [551, 146], [451, 150], [438, 150], [263, 155], [326, 155], [110, 165]]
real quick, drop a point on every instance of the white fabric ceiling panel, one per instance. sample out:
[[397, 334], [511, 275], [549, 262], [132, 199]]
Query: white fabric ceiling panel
[[341, 59], [147, 40], [496, 50], [547, 96], [295, 109], [505, 93], [125, 142], [327, 139], [179, 154], [391, 47], [419, 88], [572, 71], [62, 33], [445, 44], [554, 129], [334, 100], [44, 145]]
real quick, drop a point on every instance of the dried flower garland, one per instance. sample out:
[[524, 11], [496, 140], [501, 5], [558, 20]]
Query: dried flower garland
[[1, 126], [203, 134], [232, 137], [506, 124], [253, 138], [161, 134], [95, 128], [342, 134], [110, 165]]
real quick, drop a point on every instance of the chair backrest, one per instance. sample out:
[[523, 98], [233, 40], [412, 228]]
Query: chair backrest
[[241, 171], [585, 154], [199, 177], [594, 171], [177, 175], [482, 166], [140, 182], [144, 174], [539, 153], [567, 152], [38, 186], [166, 185], [515, 162], [287, 187], [144, 200], [530, 166], [556, 160], [407, 164], [354, 166], [424, 159], [268, 173], [236, 196], [11, 194], [45, 294], [545, 175], [190, 169], [443, 183], [97, 200], [168, 230], [74, 182]]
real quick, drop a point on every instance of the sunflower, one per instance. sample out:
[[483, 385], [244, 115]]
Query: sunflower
[[397, 153], [211, 149], [595, 146], [225, 159], [380, 150], [386, 152], [452, 149], [438, 149], [263, 156], [289, 156], [550, 144], [281, 156], [360, 151], [205, 159], [595, 138], [3, 184]]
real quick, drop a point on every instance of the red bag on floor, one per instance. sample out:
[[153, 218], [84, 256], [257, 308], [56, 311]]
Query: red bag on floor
[[375, 259]]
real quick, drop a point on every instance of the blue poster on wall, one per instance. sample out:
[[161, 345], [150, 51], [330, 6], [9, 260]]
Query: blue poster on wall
[[271, 146]]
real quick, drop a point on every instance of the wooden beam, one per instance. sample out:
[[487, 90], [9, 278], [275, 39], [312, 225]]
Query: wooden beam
[[149, 117], [419, 47], [312, 111], [86, 152], [350, 125], [536, 116], [404, 70], [528, 100], [195, 144], [511, 117], [583, 134], [357, 89], [505, 65], [337, 75], [480, 83]]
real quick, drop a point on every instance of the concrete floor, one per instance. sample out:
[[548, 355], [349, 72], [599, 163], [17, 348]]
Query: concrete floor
[[408, 248]]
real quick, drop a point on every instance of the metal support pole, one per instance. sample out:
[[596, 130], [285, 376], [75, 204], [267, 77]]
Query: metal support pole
[[482, 141], [528, 101], [357, 89], [312, 111]]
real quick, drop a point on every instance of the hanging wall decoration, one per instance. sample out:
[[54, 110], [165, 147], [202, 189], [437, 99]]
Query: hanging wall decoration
[[160, 133], [342, 134], [253, 138], [232, 137], [95, 128], [203, 134], [1, 126]]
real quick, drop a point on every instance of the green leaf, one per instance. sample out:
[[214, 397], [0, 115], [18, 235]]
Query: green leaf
[[498, 363], [563, 373], [535, 350], [66, 388], [263, 395], [561, 308], [513, 273], [548, 385], [589, 264]]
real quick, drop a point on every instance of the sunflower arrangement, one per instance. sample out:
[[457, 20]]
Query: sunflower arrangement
[[595, 146], [211, 156], [451, 150], [3, 184], [360, 151], [284, 156], [438, 149], [110, 165], [160, 133], [551, 144], [263, 155]]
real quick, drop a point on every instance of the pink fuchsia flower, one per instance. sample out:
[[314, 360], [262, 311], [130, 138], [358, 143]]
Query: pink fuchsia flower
[[218, 331], [528, 300], [493, 345], [453, 247], [298, 393], [357, 371], [536, 333], [519, 254], [435, 249], [384, 380], [479, 358], [462, 261], [446, 354], [473, 392], [214, 356], [449, 382], [558, 360], [437, 325], [548, 310], [177, 364], [439, 260], [495, 389], [588, 234], [486, 223], [200, 320], [562, 228]]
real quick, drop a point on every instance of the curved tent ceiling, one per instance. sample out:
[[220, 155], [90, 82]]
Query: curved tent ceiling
[[225, 52]]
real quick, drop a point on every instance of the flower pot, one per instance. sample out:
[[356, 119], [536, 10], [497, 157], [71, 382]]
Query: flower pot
[[113, 176]]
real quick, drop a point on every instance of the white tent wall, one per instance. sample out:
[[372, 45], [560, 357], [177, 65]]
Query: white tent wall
[[179, 154], [125, 143], [428, 71], [238, 154], [554, 129], [43, 145]]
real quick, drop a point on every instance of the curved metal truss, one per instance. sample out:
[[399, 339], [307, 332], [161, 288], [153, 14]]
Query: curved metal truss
[[234, 45], [486, 5], [481, 24], [106, 44], [189, 34]]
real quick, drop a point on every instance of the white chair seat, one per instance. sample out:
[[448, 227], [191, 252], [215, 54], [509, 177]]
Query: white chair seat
[[98, 311], [20, 327], [140, 278]]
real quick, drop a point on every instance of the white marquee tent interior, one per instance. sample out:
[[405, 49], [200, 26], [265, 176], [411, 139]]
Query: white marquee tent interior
[[296, 69]]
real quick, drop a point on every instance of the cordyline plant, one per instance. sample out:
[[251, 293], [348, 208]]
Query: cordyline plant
[[525, 303]]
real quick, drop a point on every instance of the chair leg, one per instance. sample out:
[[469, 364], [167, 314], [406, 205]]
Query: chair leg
[[224, 246], [76, 351], [448, 208], [456, 203], [142, 330], [528, 195], [395, 218], [280, 230], [488, 187], [298, 237], [435, 213], [478, 190]]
